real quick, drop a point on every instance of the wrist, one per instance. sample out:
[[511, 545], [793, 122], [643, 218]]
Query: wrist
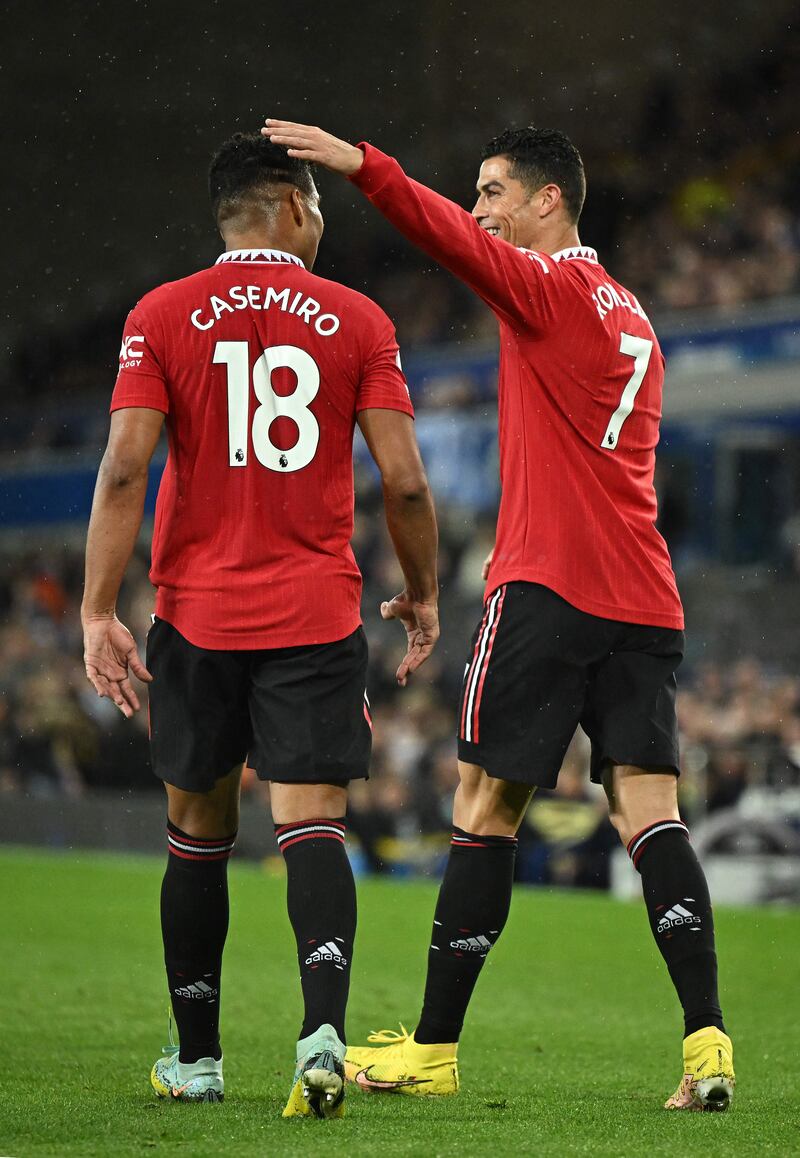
[[96, 614], [422, 599]]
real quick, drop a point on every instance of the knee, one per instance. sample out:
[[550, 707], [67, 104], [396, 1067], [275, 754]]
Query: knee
[[618, 823], [203, 817], [484, 810]]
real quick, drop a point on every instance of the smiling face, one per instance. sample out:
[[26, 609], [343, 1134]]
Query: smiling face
[[534, 218], [505, 207]]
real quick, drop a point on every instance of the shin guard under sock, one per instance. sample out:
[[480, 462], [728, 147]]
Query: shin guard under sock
[[679, 908], [194, 924], [471, 912], [321, 899]]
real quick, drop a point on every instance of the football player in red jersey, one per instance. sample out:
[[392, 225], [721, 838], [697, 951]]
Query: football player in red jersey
[[582, 621], [260, 370]]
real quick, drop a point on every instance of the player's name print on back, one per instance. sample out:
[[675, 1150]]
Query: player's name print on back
[[259, 297]]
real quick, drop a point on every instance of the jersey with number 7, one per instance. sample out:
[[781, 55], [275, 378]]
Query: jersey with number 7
[[261, 368], [581, 375]]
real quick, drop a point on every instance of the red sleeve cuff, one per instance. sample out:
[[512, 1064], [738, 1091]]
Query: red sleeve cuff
[[372, 175], [388, 402]]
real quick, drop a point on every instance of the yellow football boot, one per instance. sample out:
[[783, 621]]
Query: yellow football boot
[[708, 1078], [399, 1065]]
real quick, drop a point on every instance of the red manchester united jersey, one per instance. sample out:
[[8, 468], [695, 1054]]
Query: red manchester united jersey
[[580, 382], [260, 368]]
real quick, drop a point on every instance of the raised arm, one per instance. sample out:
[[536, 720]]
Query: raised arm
[[411, 521], [511, 281], [109, 648]]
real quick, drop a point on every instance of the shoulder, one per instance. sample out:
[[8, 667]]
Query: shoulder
[[356, 304], [169, 292]]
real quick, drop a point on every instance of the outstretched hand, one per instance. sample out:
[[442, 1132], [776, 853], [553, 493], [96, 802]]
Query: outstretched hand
[[314, 145], [421, 621], [109, 653]]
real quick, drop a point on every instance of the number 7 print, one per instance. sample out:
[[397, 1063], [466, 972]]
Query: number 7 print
[[640, 350]]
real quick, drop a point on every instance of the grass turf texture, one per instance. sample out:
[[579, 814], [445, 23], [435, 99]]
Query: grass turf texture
[[572, 1044]]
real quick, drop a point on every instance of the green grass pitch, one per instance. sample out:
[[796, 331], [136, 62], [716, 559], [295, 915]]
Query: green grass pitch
[[572, 1044]]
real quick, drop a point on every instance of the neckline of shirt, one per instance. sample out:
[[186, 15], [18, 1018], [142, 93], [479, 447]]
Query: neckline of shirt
[[575, 251], [269, 256]]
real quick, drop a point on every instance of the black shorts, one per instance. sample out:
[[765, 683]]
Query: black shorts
[[538, 667], [296, 714]]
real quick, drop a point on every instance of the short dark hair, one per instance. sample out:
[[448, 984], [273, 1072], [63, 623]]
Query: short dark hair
[[539, 156], [248, 163]]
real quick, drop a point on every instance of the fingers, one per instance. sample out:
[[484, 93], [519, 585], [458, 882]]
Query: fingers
[[118, 689], [128, 701], [271, 124], [138, 668], [413, 660]]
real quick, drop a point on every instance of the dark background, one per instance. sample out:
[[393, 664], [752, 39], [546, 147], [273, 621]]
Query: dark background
[[111, 112]]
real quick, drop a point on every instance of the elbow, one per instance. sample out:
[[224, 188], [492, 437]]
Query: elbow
[[407, 488], [119, 472]]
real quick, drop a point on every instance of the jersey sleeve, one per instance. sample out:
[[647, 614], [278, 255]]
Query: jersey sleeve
[[383, 383], [513, 282], [141, 380]]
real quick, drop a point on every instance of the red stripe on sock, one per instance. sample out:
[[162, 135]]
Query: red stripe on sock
[[200, 843], [298, 824], [200, 856], [312, 836]]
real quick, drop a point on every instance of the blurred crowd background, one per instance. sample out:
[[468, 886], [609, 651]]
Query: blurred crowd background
[[693, 163]]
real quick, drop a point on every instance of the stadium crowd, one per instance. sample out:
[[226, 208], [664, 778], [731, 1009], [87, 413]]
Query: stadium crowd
[[740, 725]]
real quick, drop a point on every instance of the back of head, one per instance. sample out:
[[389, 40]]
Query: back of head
[[246, 175], [541, 157]]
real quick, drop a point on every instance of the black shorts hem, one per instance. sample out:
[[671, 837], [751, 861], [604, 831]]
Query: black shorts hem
[[650, 764], [497, 767], [193, 782], [274, 777]]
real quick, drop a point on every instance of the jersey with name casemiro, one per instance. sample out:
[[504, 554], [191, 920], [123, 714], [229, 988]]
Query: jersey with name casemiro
[[580, 385], [260, 368]]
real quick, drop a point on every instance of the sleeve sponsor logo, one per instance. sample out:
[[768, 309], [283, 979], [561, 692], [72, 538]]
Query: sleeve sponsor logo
[[131, 351]]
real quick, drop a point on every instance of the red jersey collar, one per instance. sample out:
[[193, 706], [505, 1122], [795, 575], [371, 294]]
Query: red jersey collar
[[276, 256], [576, 251]]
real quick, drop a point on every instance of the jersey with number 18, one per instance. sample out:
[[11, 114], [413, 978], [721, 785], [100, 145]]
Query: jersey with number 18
[[260, 368], [581, 375]]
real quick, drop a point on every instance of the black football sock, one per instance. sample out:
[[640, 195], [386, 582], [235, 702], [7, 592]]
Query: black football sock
[[194, 924], [470, 915], [321, 899], [679, 908]]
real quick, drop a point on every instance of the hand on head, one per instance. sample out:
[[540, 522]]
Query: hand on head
[[314, 145]]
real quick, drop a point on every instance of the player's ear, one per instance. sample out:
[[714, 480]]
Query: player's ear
[[548, 198], [297, 206]]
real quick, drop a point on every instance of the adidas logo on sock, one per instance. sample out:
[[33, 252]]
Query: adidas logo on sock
[[199, 991], [678, 915], [330, 951], [472, 944]]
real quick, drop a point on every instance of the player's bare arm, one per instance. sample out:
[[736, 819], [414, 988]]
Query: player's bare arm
[[110, 652], [411, 520]]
